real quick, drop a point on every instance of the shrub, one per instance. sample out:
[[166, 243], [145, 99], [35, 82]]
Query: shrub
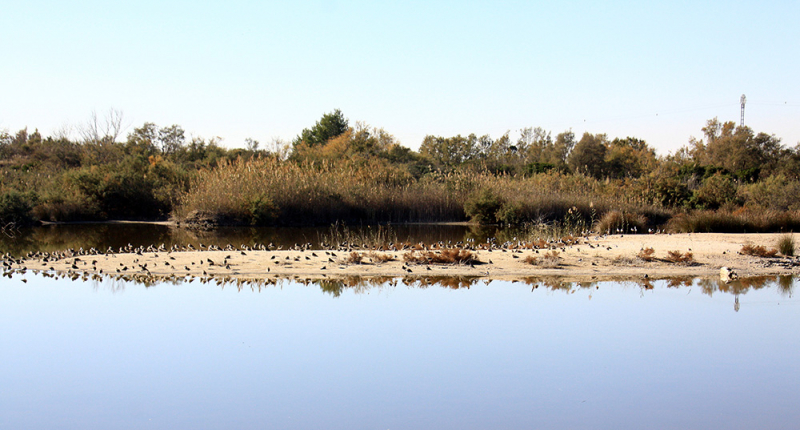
[[126, 190], [353, 258], [646, 254], [758, 251], [509, 213], [446, 256], [775, 192], [715, 191], [379, 258], [549, 259], [786, 245], [483, 206], [677, 257], [66, 208], [263, 211], [15, 207], [617, 221], [739, 221], [671, 192]]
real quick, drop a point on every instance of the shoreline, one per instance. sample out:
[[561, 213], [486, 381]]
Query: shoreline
[[591, 258]]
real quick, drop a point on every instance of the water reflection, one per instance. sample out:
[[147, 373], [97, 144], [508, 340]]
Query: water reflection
[[336, 286], [50, 238], [543, 353]]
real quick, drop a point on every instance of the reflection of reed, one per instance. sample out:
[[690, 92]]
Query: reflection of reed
[[336, 286], [786, 285], [101, 236]]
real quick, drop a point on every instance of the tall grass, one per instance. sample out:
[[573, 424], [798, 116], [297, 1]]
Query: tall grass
[[374, 191], [317, 193], [738, 221], [786, 245]]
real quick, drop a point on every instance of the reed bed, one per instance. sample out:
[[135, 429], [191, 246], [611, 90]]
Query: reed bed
[[739, 221], [268, 191]]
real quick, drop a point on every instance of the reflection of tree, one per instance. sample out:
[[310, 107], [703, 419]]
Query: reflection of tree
[[551, 283], [786, 285], [332, 287], [679, 281], [479, 233], [452, 283], [360, 285]]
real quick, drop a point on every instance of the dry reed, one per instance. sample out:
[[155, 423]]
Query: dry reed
[[786, 245], [550, 259], [445, 256], [646, 254], [676, 257], [376, 191], [758, 251]]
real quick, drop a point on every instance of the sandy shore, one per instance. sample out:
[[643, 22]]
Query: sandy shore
[[593, 257]]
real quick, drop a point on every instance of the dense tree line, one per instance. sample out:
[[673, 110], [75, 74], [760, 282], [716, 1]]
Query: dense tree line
[[101, 176]]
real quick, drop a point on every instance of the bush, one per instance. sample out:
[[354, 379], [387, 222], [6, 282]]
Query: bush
[[509, 213], [66, 208], [774, 192], [15, 207], [739, 221], [671, 192], [550, 259], [758, 251], [786, 245], [483, 206], [617, 221], [677, 257], [446, 256], [716, 191], [263, 211], [646, 254], [122, 191]]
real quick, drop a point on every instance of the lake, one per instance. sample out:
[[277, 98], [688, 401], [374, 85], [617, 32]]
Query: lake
[[668, 354]]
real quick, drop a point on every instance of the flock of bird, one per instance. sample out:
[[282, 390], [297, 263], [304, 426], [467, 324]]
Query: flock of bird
[[150, 264]]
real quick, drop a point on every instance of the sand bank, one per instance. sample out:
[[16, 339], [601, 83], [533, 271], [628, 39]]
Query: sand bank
[[593, 257]]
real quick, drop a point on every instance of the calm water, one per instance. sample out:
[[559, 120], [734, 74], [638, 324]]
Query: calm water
[[101, 236], [672, 354]]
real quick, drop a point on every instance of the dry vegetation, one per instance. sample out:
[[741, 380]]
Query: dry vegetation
[[445, 256], [646, 254], [733, 180], [353, 258], [786, 245], [676, 257], [379, 258], [758, 251], [550, 259], [268, 191], [751, 220]]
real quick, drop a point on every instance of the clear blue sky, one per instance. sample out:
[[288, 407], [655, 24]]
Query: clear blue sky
[[240, 69]]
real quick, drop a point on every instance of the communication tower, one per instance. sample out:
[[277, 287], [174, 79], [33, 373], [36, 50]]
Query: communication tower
[[743, 100]]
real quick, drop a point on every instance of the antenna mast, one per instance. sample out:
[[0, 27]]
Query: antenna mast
[[742, 100]]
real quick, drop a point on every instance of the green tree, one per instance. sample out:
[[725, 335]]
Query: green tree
[[143, 140], [629, 157], [588, 156], [329, 126], [533, 145], [737, 149], [449, 151], [171, 139], [559, 151]]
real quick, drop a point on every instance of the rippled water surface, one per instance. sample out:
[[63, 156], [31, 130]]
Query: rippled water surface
[[670, 354]]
